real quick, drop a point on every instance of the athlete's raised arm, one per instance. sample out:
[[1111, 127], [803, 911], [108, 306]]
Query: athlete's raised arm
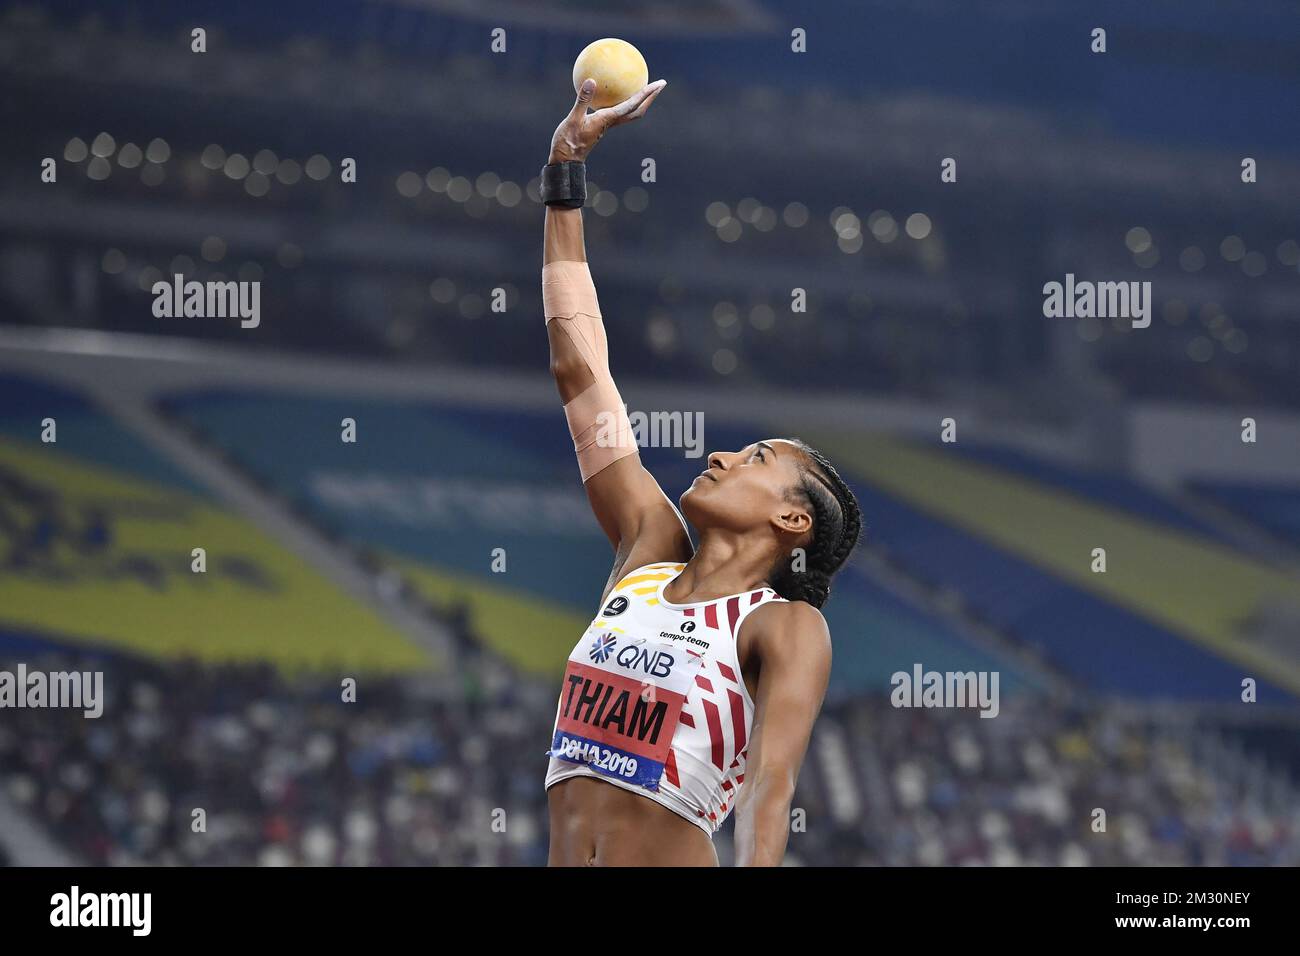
[[640, 521]]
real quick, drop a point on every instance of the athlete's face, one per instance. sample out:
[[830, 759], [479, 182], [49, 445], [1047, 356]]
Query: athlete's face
[[741, 490]]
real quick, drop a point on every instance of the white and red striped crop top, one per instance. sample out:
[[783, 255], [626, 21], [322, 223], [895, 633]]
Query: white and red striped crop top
[[653, 699]]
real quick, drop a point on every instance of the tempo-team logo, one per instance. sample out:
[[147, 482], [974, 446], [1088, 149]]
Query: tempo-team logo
[[617, 606], [688, 626], [601, 648]]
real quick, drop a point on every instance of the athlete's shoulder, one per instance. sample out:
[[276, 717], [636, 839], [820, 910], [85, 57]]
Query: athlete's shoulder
[[784, 624], [792, 613]]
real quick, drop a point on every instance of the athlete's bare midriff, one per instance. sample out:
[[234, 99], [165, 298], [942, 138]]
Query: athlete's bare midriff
[[594, 823]]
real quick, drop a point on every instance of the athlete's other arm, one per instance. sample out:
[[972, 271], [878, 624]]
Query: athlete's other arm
[[637, 517], [793, 647]]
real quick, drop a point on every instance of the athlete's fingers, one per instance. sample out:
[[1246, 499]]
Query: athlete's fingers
[[645, 103], [585, 93], [620, 112]]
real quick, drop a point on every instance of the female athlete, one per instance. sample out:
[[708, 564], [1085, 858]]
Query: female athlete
[[695, 689]]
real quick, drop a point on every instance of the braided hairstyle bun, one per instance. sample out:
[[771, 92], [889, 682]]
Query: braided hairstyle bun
[[837, 522]]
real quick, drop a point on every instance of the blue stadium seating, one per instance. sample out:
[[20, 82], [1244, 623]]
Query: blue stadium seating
[[291, 442], [1106, 488], [1105, 647], [1274, 507]]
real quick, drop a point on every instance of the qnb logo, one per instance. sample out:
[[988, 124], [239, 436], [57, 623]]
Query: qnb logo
[[617, 606], [132, 910], [1100, 300], [601, 648], [656, 664]]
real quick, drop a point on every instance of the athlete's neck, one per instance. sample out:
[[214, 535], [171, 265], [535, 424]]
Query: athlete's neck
[[724, 564]]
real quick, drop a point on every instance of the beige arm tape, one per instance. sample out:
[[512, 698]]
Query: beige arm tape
[[597, 417]]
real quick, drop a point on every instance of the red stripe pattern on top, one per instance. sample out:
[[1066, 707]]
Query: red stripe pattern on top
[[705, 766]]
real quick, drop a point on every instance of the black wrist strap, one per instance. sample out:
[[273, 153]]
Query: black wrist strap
[[564, 184]]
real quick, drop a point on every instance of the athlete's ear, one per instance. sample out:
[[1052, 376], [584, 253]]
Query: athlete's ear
[[792, 519]]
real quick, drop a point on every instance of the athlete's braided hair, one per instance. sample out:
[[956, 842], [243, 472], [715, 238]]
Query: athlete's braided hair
[[837, 521]]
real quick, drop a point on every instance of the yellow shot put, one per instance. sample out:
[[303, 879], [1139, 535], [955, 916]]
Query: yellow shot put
[[617, 67]]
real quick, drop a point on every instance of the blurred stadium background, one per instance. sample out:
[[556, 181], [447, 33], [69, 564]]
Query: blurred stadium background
[[818, 171]]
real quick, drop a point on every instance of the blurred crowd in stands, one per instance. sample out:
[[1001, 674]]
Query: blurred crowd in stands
[[240, 765], [913, 287]]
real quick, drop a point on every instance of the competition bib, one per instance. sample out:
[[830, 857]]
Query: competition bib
[[620, 703]]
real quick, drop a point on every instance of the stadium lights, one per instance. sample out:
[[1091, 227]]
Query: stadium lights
[[265, 162], [158, 151], [236, 166], [257, 184], [213, 157], [795, 215], [318, 167], [1138, 239], [918, 225], [1232, 248], [636, 199]]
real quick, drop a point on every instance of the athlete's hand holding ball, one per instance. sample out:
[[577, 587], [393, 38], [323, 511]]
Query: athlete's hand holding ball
[[606, 72]]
